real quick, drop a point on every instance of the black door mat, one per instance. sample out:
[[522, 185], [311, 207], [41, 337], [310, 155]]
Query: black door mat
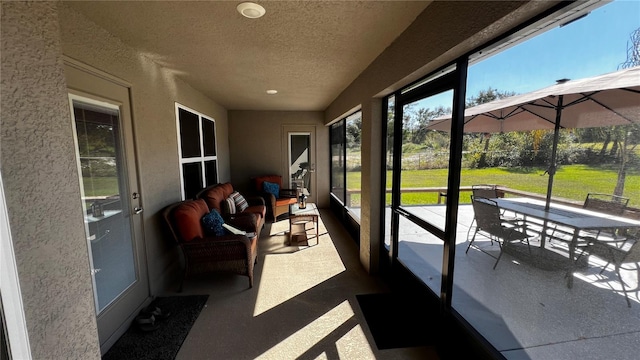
[[164, 342], [400, 320]]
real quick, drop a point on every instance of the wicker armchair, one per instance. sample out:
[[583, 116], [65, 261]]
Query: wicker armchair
[[203, 254], [276, 206]]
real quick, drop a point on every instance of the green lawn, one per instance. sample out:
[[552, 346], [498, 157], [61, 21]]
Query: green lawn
[[571, 182], [100, 186]]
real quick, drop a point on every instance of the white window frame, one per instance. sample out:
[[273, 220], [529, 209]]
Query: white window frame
[[199, 159], [10, 294]]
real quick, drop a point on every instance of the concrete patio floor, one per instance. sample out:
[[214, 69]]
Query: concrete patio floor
[[524, 307]]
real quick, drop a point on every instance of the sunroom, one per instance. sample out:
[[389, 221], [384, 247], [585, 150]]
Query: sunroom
[[342, 78]]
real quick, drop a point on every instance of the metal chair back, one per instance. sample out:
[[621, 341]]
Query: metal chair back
[[484, 191], [627, 253], [606, 203], [490, 223], [487, 216]]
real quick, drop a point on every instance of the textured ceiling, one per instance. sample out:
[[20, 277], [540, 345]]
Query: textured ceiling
[[307, 50]]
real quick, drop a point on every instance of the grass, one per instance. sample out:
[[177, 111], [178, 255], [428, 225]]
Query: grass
[[100, 186], [570, 182]]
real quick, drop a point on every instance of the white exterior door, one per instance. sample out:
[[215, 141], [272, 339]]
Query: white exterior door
[[112, 206]]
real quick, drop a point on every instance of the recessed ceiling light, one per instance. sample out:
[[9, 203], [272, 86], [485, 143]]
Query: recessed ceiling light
[[272, 92], [251, 10]]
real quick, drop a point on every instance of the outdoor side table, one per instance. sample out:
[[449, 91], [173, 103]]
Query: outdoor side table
[[298, 223]]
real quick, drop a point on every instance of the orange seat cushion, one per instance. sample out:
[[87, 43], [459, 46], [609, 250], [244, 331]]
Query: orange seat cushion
[[285, 201]]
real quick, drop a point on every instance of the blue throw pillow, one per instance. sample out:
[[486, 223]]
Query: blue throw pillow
[[271, 188], [212, 224]]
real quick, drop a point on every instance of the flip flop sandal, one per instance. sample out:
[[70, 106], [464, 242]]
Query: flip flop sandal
[[146, 323], [156, 312]]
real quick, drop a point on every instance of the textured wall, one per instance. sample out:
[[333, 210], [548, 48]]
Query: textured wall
[[42, 190], [154, 91], [251, 157]]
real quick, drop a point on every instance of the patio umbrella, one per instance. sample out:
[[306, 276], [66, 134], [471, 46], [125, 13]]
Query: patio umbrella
[[605, 100]]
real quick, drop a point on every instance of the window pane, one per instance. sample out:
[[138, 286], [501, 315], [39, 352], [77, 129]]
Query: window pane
[[192, 174], [209, 135], [189, 134], [338, 163], [389, 170], [425, 157], [300, 163], [546, 316], [389, 151], [421, 253], [354, 164], [211, 172]]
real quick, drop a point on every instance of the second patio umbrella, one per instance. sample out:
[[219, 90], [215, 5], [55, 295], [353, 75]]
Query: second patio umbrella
[[605, 100]]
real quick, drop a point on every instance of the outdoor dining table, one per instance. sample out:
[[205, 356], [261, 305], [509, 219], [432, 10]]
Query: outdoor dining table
[[575, 218]]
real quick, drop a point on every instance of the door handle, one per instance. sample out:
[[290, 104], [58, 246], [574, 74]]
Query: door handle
[[138, 210]]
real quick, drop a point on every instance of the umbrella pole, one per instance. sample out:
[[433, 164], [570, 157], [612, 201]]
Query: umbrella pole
[[556, 136]]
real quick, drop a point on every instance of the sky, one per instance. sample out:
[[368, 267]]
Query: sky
[[594, 45]]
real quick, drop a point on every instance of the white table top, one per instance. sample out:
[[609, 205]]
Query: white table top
[[310, 209], [577, 218]]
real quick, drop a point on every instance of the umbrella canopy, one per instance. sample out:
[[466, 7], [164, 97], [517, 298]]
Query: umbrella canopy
[[605, 100]]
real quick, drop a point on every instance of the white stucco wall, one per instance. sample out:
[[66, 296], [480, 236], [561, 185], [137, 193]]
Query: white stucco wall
[[42, 190], [39, 165]]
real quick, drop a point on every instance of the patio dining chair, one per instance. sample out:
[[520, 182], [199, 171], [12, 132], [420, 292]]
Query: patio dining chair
[[487, 191], [610, 204], [619, 255], [606, 203], [490, 224]]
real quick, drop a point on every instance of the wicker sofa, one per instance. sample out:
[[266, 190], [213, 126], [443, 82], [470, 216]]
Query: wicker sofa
[[205, 253], [216, 196]]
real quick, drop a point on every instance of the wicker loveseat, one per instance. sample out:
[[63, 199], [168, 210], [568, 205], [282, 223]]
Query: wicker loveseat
[[204, 253], [216, 196]]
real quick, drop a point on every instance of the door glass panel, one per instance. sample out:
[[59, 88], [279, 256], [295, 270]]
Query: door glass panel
[[421, 253], [425, 158], [105, 201], [300, 160]]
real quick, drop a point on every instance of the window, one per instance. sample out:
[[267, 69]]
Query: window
[[353, 162], [591, 156], [338, 160], [547, 298], [197, 151], [346, 163]]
